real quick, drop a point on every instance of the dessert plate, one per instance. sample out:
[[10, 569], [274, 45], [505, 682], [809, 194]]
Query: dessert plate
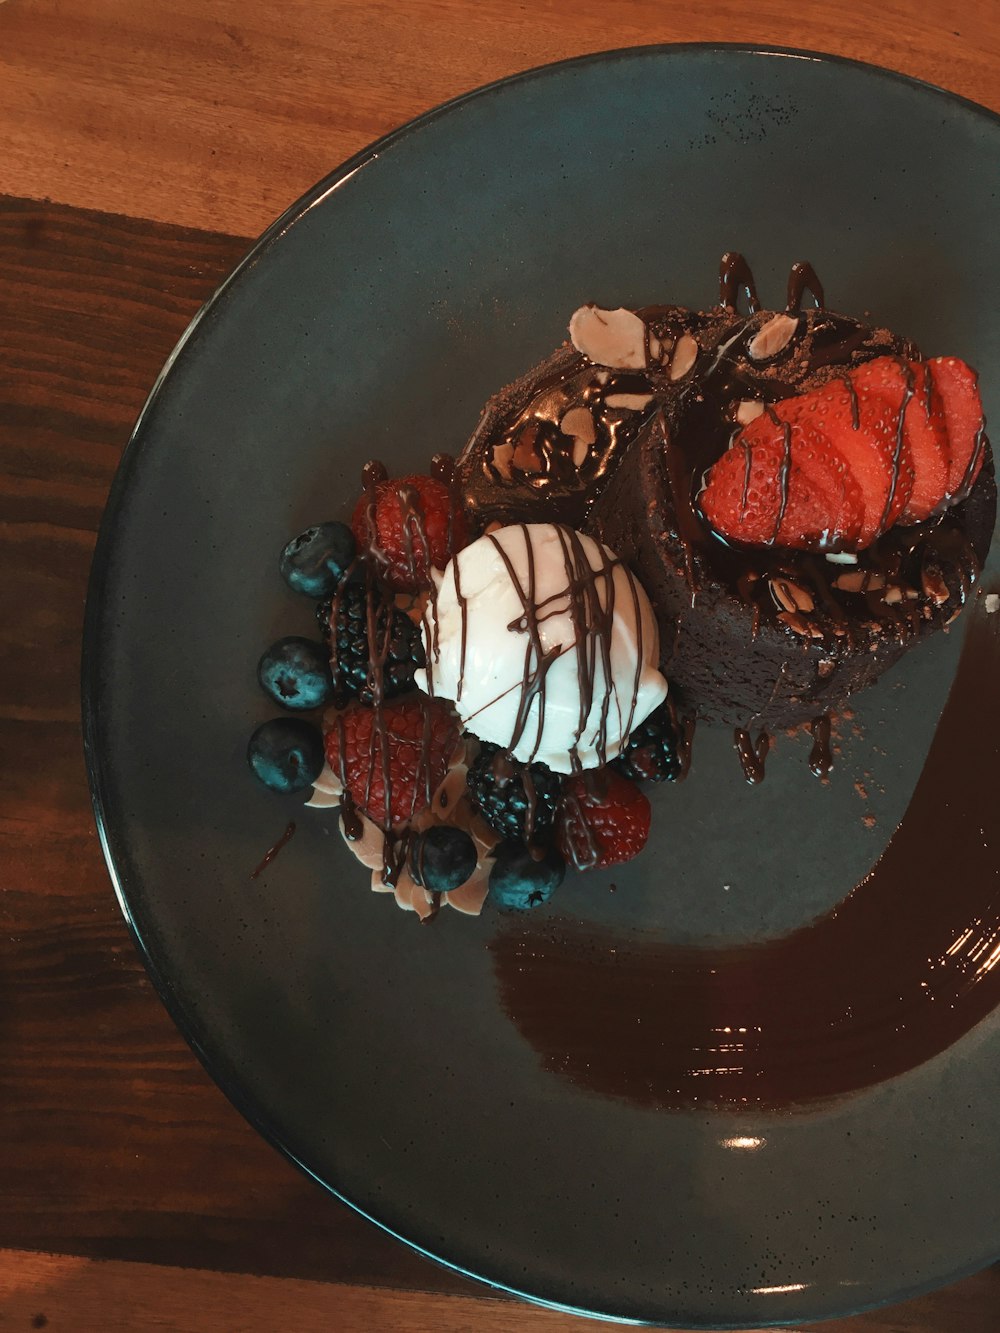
[[756, 1081]]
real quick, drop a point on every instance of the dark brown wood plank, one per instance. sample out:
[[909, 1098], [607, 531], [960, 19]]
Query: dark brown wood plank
[[113, 1141]]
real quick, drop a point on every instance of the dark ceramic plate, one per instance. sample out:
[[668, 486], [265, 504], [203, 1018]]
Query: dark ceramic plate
[[733, 1091]]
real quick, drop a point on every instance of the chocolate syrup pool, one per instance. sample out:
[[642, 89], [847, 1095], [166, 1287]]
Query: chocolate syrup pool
[[897, 972]]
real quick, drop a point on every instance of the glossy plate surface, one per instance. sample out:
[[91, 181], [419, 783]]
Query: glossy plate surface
[[719, 1094]]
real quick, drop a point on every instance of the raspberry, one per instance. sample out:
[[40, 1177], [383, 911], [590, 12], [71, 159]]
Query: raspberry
[[518, 801], [392, 759], [650, 754], [414, 525], [350, 652], [602, 821]]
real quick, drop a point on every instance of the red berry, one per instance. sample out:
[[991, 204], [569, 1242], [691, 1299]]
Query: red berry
[[890, 441], [958, 386], [923, 429], [392, 759], [603, 819], [873, 451], [414, 526], [782, 487]]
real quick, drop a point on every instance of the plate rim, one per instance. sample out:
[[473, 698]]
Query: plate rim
[[214, 1062]]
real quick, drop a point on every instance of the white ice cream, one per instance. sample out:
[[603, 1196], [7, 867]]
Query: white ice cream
[[551, 669]]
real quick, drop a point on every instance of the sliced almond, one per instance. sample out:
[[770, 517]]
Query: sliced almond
[[800, 625], [685, 355], [749, 410], [934, 585], [503, 456], [859, 580], [579, 422], [790, 596], [615, 338], [772, 337], [634, 402], [580, 451], [895, 594]]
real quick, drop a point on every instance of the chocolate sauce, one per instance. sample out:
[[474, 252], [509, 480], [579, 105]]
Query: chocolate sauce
[[820, 756], [753, 754], [735, 276], [802, 279], [272, 852], [895, 974]]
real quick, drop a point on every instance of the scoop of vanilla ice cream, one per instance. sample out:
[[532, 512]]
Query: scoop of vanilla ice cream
[[547, 645]]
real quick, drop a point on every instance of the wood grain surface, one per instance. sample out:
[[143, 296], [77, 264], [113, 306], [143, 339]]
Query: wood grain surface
[[188, 127], [218, 114]]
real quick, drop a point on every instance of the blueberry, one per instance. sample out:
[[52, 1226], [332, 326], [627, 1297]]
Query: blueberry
[[442, 858], [286, 753], [296, 673], [315, 562], [520, 881]]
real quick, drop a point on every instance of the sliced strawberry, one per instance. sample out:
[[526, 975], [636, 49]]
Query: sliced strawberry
[[868, 448], [923, 425], [769, 491], [828, 472], [958, 386]]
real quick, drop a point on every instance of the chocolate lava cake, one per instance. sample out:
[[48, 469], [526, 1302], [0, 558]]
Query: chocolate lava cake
[[630, 432]]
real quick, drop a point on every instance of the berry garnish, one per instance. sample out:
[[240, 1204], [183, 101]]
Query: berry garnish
[[442, 858], [286, 754], [295, 672], [392, 759], [924, 428], [777, 486], [958, 387], [316, 561], [523, 877], [398, 649], [412, 525], [516, 799], [603, 820], [650, 753], [874, 440]]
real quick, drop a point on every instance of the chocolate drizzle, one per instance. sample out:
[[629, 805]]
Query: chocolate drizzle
[[272, 852], [820, 756], [752, 754], [802, 279], [735, 276], [588, 597]]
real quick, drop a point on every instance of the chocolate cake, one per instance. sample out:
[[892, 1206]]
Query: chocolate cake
[[615, 434]]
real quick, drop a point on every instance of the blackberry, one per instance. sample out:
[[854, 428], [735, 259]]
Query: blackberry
[[650, 753], [518, 801], [350, 652]]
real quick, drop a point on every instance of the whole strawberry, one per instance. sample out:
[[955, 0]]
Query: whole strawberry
[[392, 759], [408, 526], [602, 820]]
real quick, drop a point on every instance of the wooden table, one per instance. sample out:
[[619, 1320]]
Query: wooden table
[[140, 147]]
